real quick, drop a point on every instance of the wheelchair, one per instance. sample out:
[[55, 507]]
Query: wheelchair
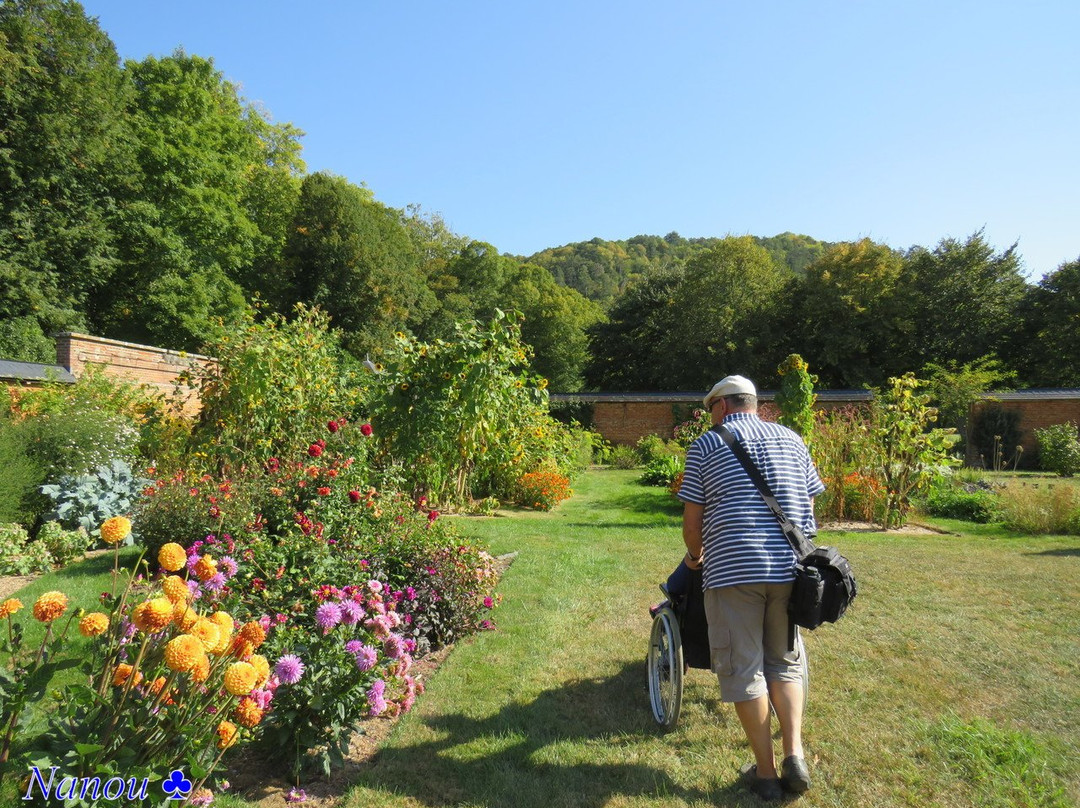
[[679, 640]]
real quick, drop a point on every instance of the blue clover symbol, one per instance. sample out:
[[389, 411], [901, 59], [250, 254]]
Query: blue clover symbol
[[177, 786]]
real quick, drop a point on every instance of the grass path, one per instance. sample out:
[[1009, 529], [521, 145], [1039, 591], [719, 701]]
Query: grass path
[[959, 649]]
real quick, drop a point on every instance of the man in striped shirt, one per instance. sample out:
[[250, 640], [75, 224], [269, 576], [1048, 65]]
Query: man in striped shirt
[[749, 568]]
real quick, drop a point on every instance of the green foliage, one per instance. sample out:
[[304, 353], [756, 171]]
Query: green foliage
[[652, 447], [995, 435], [1059, 448], [463, 417], [845, 455], [22, 339], [693, 428], [663, 470], [623, 457], [796, 397], [276, 384], [19, 555], [86, 500], [1047, 346], [951, 498], [1005, 767], [65, 545], [22, 473], [911, 451]]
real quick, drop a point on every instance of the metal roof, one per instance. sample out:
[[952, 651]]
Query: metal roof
[[34, 372]]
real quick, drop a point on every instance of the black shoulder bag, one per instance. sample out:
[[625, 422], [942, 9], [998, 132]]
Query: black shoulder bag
[[824, 583]]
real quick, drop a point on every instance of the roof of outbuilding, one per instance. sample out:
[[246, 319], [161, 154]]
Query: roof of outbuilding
[[34, 372]]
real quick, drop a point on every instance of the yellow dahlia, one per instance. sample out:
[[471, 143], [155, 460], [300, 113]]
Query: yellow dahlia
[[93, 624], [172, 557], [224, 621], [205, 568], [175, 589], [50, 606], [9, 607], [183, 615], [115, 529], [262, 668], [247, 712], [183, 652], [201, 671], [153, 615], [226, 734], [123, 673], [240, 678], [207, 632]]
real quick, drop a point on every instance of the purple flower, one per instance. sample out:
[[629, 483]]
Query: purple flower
[[489, 602], [353, 647], [394, 646], [193, 588], [376, 701], [216, 582], [410, 593], [366, 658], [227, 564], [327, 616], [351, 612], [296, 795], [289, 669]]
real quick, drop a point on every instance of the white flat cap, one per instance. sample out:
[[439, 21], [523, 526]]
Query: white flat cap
[[729, 386]]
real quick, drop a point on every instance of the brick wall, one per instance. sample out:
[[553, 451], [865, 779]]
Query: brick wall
[[1036, 412], [625, 422], [156, 367]]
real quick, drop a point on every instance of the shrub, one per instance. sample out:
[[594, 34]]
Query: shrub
[[663, 470], [795, 398], [543, 490], [22, 475], [1041, 508], [19, 555], [623, 457], [693, 428], [651, 447], [845, 457], [87, 500], [953, 499], [1059, 449], [995, 434], [65, 545]]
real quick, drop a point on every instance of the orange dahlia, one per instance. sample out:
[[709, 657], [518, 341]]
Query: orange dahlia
[[205, 568], [253, 633], [123, 673], [207, 632], [115, 529], [153, 615], [93, 624], [175, 589], [172, 557], [50, 606], [240, 678], [183, 652], [9, 607], [247, 712], [262, 668], [201, 671], [226, 734], [155, 688], [183, 615]]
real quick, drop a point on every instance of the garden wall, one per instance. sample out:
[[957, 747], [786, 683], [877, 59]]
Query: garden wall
[[157, 367], [1037, 409]]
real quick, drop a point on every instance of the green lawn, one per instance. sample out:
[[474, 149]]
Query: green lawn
[[954, 680]]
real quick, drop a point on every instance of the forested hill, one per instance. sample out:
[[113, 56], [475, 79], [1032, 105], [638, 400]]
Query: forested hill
[[601, 269]]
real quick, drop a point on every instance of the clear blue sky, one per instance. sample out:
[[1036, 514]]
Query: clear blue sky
[[532, 125]]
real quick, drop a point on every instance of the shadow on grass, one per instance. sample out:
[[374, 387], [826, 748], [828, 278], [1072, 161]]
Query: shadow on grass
[[1068, 552], [100, 564], [538, 753]]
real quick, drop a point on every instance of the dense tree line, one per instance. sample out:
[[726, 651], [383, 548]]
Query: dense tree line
[[148, 201]]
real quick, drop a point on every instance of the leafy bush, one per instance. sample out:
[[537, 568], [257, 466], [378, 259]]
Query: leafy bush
[[690, 430], [651, 447], [88, 500], [1041, 508], [19, 555], [663, 470], [995, 434], [543, 490], [65, 545], [22, 475], [623, 457], [1059, 449], [846, 458], [795, 398], [953, 499]]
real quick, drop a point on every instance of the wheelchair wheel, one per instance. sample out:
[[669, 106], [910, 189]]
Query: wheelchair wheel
[[665, 663]]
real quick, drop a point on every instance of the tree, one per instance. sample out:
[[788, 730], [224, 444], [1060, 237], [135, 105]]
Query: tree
[[1049, 343], [964, 298], [846, 315], [725, 316], [954, 388], [63, 145], [352, 257]]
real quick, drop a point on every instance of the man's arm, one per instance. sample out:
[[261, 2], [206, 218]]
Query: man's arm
[[692, 521]]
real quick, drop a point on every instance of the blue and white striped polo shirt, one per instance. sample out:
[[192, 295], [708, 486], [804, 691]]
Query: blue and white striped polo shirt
[[743, 542]]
